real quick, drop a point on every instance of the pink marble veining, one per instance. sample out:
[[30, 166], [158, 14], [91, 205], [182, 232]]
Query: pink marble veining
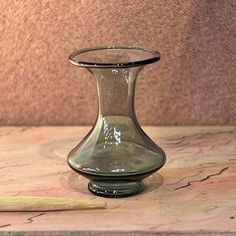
[[194, 192]]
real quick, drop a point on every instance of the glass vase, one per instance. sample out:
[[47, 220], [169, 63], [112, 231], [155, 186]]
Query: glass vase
[[116, 155]]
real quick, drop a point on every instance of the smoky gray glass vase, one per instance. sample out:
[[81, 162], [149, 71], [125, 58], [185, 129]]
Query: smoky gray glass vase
[[116, 155]]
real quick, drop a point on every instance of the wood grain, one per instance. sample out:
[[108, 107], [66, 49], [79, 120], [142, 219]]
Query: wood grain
[[194, 194], [33, 204]]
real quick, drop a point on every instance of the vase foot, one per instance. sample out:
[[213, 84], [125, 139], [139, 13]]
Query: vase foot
[[115, 189]]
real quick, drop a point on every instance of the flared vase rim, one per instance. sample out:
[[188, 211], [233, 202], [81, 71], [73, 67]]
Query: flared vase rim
[[154, 57]]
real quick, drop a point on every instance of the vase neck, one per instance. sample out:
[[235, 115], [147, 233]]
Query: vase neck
[[116, 89]]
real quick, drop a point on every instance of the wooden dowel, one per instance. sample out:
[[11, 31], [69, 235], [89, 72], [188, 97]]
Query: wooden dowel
[[47, 204]]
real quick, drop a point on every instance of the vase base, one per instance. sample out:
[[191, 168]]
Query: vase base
[[115, 189]]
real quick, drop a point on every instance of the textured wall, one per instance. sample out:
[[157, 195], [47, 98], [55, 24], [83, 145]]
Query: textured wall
[[194, 83]]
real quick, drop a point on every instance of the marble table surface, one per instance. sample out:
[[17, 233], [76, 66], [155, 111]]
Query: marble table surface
[[193, 194]]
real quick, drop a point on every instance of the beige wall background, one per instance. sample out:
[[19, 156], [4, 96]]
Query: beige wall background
[[194, 82]]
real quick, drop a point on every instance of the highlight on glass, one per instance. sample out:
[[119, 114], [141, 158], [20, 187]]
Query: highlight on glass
[[116, 155]]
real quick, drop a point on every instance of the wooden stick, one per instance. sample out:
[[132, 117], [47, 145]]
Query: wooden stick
[[47, 204]]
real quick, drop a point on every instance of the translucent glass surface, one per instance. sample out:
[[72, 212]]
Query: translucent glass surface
[[116, 154]]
